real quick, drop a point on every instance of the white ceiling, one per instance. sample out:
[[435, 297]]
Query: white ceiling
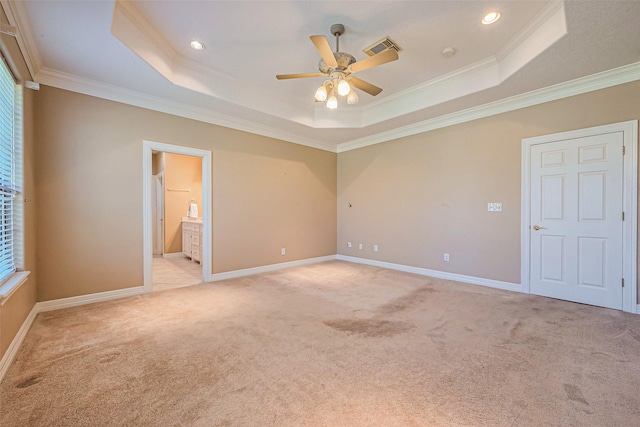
[[137, 52]]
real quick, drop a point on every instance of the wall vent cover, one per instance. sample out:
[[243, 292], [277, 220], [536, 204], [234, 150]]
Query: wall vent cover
[[381, 45]]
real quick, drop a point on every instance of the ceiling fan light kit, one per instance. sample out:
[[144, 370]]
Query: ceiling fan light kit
[[332, 102], [352, 98], [321, 93], [339, 66], [343, 87]]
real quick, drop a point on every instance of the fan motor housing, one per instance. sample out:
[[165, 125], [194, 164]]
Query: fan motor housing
[[342, 58]]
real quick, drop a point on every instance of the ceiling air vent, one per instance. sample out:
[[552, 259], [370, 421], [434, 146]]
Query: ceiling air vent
[[380, 45]]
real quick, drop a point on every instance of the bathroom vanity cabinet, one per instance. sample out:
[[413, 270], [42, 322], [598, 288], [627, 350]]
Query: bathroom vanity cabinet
[[192, 238]]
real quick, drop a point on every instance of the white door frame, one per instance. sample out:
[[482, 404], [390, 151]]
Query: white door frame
[[147, 237], [629, 201], [158, 219]]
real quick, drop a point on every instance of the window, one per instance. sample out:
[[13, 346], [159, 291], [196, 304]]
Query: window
[[10, 167]]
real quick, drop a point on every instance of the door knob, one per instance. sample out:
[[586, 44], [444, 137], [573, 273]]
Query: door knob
[[537, 227]]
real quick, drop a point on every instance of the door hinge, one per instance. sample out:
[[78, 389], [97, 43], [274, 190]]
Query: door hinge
[[623, 215], [624, 150], [623, 282]]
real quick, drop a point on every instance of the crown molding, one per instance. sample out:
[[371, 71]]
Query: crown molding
[[136, 33], [17, 17], [139, 35], [84, 86], [547, 28], [481, 75], [144, 26], [605, 79], [546, 14], [552, 15]]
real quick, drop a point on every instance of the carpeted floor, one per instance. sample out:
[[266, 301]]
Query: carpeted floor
[[331, 344]]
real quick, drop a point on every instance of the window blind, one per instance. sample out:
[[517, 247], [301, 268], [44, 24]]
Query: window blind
[[8, 184]]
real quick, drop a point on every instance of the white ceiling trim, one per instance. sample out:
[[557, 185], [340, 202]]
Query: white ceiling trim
[[17, 17], [605, 79], [552, 11], [482, 75], [26, 39], [77, 84], [597, 81], [135, 32], [548, 27]]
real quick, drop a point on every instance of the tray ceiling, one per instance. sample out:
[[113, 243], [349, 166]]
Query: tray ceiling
[[138, 52]]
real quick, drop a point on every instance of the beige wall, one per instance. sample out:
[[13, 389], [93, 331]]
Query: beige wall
[[16, 309], [421, 196], [267, 194], [416, 197], [180, 173]]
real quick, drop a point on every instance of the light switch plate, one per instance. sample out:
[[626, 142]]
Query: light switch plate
[[494, 207]]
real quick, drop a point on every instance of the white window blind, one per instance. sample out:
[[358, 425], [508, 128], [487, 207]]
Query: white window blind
[[8, 184]]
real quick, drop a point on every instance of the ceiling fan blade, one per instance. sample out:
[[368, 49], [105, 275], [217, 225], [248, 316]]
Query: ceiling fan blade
[[298, 76], [375, 60], [324, 48], [365, 86]]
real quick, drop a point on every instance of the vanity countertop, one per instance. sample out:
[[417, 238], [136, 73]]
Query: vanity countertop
[[193, 220]]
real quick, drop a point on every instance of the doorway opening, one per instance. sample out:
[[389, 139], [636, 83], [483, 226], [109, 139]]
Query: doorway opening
[[177, 216]]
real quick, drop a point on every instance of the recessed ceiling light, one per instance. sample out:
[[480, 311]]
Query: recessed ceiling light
[[195, 44], [490, 18], [448, 51]]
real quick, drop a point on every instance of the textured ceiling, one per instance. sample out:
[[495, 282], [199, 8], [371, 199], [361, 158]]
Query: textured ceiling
[[137, 52]]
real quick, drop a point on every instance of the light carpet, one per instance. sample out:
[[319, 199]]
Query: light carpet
[[331, 344]]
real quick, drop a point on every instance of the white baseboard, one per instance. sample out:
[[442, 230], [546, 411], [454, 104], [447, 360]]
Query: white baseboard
[[41, 307], [11, 352], [174, 255], [267, 268], [435, 273], [45, 306], [57, 304]]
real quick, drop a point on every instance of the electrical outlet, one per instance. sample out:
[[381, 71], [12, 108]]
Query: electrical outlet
[[283, 251], [348, 244], [359, 245], [375, 248], [446, 257]]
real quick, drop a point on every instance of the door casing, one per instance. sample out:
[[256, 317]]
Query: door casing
[[157, 208], [207, 224], [630, 204]]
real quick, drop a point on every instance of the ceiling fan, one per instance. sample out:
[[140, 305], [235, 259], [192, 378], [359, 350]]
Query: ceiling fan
[[339, 67]]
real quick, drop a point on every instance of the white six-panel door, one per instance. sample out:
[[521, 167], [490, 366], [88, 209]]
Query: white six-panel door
[[576, 231]]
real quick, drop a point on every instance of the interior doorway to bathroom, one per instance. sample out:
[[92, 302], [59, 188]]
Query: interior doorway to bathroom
[[177, 225], [177, 216]]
